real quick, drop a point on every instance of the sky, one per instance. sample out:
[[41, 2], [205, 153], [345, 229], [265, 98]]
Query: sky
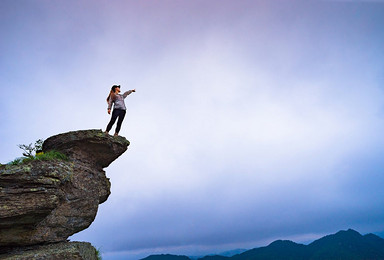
[[252, 120]]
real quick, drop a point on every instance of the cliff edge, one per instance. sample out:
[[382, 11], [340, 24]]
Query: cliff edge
[[45, 202]]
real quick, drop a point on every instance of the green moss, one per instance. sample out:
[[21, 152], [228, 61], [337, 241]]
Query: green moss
[[14, 168], [100, 134]]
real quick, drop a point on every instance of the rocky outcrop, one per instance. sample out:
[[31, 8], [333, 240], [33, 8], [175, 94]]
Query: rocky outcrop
[[57, 251], [48, 201], [89, 146]]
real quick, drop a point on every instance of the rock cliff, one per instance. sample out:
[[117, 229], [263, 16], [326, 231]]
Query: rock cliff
[[45, 202]]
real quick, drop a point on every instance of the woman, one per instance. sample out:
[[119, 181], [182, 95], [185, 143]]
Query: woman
[[118, 108]]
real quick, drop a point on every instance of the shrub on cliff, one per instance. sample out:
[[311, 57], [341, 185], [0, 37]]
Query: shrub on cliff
[[33, 152], [48, 156]]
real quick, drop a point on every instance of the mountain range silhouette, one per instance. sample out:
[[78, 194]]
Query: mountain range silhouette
[[348, 244]]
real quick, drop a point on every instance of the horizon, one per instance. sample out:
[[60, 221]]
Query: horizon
[[252, 120], [236, 250]]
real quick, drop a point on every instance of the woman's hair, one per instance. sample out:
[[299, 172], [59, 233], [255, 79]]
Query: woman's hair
[[112, 93]]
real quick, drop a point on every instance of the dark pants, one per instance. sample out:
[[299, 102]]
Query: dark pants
[[116, 113]]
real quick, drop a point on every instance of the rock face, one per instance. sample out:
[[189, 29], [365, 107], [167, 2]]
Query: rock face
[[59, 251], [48, 201]]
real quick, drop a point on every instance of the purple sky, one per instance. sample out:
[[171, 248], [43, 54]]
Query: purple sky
[[252, 120]]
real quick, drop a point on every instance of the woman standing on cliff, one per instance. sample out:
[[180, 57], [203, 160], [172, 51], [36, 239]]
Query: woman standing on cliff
[[119, 108]]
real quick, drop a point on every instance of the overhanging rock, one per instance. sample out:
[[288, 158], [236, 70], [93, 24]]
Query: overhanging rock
[[48, 201]]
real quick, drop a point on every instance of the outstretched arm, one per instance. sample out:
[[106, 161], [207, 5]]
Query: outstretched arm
[[128, 92]]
